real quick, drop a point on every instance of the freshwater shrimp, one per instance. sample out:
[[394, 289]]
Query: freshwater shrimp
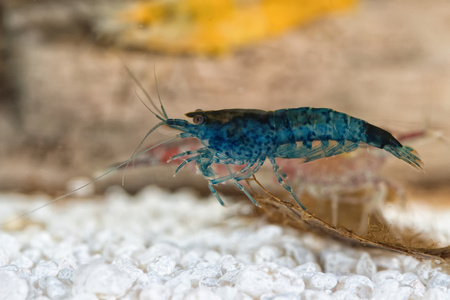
[[249, 137]]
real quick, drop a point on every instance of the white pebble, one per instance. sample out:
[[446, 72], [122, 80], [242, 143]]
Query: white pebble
[[345, 295], [4, 256], [259, 280], [230, 270], [102, 279], [286, 261], [388, 262], [209, 282], [419, 289], [9, 248], [68, 261], [316, 295], [46, 268], [426, 271], [439, 280], [382, 276], [191, 258], [254, 280], [84, 296], [82, 254], [13, 268], [359, 285], [180, 285], [286, 281], [203, 270], [202, 294], [410, 263], [66, 274], [227, 292], [269, 232], [308, 270], [23, 262], [212, 256], [337, 262], [163, 265], [56, 289], [299, 253], [154, 291], [154, 277], [322, 282], [390, 288], [309, 267], [128, 266], [366, 266], [228, 262], [436, 294], [33, 253], [407, 279], [290, 296], [12, 287], [159, 250], [267, 254]]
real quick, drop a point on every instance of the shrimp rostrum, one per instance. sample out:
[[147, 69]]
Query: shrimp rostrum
[[248, 137]]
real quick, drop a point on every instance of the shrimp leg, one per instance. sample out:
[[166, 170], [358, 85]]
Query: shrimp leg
[[284, 182], [251, 172], [183, 163], [203, 162], [204, 165], [188, 160], [214, 192], [242, 189], [233, 176], [186, 153]]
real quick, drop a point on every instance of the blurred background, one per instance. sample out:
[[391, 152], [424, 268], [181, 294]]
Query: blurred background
[[68, 109]]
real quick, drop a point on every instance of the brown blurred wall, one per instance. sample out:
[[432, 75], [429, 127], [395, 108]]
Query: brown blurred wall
[[69, 109]]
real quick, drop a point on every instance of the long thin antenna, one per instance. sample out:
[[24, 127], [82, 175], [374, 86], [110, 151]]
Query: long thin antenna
[[91, 182], [142, 101], [139, 84], [157, 91], [139, 147]]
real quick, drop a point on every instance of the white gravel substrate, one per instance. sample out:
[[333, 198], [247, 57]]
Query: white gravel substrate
[[174, 246]]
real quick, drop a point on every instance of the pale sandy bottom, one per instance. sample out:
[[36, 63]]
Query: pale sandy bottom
[[158, 245]]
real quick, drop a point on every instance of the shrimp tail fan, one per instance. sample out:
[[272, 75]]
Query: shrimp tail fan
[[381, 138], [405, 153]]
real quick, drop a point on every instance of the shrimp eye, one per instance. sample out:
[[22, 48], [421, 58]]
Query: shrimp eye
[[198, 119]]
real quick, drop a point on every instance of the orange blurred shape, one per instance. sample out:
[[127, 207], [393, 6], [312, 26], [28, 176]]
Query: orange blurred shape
[[210, 26]]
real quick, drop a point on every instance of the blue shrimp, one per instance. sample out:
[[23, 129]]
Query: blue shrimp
[[249, 137]]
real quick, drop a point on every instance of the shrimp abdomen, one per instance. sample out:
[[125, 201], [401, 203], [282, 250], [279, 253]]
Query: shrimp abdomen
[[306, 125]]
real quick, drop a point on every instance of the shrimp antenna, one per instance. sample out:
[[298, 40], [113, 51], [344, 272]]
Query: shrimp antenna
[[135, 153], [142, 101], [159, 113], [157, 91], [92, 181]]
